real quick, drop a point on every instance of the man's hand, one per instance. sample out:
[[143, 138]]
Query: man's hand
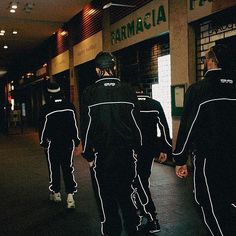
[[91, 164], [78, 150], [162, 157], [181, 171]]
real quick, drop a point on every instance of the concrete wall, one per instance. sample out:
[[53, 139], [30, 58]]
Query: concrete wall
[[182, 50]]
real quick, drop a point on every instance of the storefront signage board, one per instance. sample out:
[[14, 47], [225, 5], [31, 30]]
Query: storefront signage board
[[60, 63], [41, 72], [87, 49], [147, 22], [198, 9]]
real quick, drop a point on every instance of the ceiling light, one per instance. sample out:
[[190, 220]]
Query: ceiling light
[[14, 32], [116, 5], [3, 31], [64, 33], [13, 5], [1, 34], [12, 10], [5, 46]]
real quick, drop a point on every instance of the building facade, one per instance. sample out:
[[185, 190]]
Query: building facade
[[158, 45]]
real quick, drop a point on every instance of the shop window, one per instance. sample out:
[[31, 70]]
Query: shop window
[[161, 91], [219, 28]]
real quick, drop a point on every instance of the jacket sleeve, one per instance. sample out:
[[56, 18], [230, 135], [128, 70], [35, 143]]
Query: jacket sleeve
[[165, 142], [75, 130], [88, 150], [42, 128], [137, 121], [185, 133]]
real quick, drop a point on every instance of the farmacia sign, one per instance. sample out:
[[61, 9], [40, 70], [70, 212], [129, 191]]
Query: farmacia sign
[[143, 23]]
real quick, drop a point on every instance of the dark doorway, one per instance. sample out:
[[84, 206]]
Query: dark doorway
[[86, 76], [63, 79], [231, 44]]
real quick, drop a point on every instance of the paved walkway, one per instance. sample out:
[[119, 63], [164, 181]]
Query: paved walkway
[[26, 210]]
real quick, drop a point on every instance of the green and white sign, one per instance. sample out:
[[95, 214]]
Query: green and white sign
[[147, 22]]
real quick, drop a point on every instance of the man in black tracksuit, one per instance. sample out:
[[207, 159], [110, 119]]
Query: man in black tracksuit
[[59, 136], [156, 143], [110, 136], [208, 128]]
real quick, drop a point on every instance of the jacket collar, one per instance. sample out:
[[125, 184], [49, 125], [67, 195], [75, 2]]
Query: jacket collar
[[212, 70], [107, 78]]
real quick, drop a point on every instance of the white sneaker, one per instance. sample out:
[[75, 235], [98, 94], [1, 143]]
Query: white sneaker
[[56, 197], [70, 201]]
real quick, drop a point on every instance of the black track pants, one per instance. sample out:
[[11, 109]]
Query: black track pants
[[61, 158], [112, 175]]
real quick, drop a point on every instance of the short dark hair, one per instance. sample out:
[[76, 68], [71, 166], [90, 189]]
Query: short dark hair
[[106, 62], [222, 56]]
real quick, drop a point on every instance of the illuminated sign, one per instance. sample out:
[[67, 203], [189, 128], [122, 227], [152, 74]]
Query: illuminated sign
[[150, 19], [87, 49], [146, 22], [60, 63]]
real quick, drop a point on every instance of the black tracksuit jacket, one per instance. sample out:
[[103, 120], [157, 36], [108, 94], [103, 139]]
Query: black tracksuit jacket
[[208, 123], [110, 134], [58, 132], [109, 117], [58, 124], [153, 121], [208, 129]]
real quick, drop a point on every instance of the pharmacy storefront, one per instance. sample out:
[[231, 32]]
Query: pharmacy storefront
[[140, 42], [215, 23]]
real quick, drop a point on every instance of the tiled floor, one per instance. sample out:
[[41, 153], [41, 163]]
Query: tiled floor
[[25, 209]]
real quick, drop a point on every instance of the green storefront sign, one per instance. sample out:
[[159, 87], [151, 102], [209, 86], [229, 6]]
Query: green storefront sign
[[146, 22], [199, 2]]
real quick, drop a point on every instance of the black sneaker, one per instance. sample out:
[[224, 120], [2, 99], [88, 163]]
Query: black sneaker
[[153, 227]]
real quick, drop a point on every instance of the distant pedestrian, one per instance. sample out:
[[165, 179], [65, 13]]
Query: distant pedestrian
[[208, 129], [59, 136], [156, 144], [110, 136]]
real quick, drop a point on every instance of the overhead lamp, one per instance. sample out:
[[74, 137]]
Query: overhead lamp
[[64, 33], [12, 10], [14, 32], [116, 5], [13, 5], [1, 34], [5, 46]]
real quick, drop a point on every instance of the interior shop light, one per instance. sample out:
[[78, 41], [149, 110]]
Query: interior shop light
[[5, 46], [14, 32], [161, 91], [3, 72]]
